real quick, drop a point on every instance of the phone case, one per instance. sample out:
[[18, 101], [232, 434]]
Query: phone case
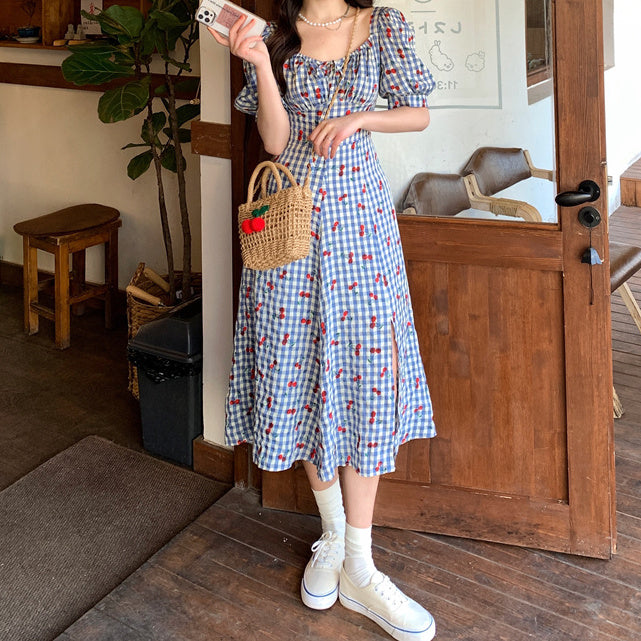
[[221, 15]]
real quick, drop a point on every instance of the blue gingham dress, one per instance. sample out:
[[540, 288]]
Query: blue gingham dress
[[312, 368]]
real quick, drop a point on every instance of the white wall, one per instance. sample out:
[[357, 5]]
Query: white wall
[[623, 95], [216, 234], [57, 153]]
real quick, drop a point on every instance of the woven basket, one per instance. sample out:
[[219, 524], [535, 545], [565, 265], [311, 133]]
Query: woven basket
[[147, 300], [275, 230]]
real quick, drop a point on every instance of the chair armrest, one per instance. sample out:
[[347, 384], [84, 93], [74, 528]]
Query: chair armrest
[[500, 206], [547, 174]]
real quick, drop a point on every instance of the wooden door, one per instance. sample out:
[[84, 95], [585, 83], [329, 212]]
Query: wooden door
[[515, 336]]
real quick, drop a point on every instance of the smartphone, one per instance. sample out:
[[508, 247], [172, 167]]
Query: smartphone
[[221, 15]]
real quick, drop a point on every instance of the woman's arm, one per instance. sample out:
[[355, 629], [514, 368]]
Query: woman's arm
[[272, 119], [330, 133], [393, 121]]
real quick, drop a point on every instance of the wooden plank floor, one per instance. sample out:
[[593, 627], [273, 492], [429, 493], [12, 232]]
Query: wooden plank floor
[[235, 572], [51, 399]]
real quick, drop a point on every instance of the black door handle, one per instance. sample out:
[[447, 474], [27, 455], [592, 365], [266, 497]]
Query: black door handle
[[588, 192]]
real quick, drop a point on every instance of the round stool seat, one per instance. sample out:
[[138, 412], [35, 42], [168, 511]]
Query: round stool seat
[[68, 221]]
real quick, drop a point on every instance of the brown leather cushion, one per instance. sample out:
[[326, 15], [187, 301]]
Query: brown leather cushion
[[497, 168], [68, 221], [625, 261], [433, 194]]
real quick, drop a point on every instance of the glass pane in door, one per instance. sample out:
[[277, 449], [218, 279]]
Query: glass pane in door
[[491, 60]]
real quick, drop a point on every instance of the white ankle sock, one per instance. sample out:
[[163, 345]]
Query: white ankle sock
[[330, 506], [359, 565]]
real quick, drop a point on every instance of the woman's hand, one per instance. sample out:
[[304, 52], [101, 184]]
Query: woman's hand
[[330, 133], [249, 48]]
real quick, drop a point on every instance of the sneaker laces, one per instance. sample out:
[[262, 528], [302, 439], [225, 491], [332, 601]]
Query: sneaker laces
[[384, 587], [327, 551]]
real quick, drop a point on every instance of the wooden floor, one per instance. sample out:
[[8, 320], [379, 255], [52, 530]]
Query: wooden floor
[[235, 572], [50, 399]]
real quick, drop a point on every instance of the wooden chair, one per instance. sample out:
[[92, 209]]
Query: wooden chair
[[436, 194], [63, 233], [492, 169]]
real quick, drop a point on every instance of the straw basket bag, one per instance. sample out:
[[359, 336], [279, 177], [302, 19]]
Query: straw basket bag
[[147, 300], [275, 230]]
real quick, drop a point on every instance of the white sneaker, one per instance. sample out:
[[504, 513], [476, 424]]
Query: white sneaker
[[384, 603], [319, 587]]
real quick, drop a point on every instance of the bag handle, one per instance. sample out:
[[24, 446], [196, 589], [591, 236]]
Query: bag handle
[[265, 168]]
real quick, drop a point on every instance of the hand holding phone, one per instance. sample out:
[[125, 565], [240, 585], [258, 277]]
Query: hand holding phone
[[221, 15]]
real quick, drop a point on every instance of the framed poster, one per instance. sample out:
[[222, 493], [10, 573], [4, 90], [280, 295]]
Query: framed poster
[[459, 41]]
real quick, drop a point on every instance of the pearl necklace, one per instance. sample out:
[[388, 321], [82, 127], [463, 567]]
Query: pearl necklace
[[324, 24]]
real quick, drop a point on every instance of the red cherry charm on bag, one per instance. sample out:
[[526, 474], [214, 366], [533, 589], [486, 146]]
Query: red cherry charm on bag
[[256, 222]]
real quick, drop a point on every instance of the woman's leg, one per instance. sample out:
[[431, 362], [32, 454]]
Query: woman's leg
[[362, 587], [329, 500], [319, 587], [359, 495]]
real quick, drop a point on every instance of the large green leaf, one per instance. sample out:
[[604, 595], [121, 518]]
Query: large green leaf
[[148, 37], [93, 68], [158, 121], [124, 102], [168, 159], [94, 48], [125, 23], [139, 164], [166, 20], [186, 113]]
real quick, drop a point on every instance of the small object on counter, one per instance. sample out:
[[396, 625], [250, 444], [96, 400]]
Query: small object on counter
[[59, 43], [80, 33], [70, 33]]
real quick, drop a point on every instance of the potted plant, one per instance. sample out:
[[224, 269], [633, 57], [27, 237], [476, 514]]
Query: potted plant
[[131, 40], [29, 31]]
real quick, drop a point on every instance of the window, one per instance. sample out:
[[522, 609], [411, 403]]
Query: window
[[537, 41]]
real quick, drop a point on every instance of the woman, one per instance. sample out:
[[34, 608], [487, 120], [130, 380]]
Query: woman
[[326, 367]]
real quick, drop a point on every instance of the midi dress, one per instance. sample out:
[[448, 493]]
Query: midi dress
[[311, 374]]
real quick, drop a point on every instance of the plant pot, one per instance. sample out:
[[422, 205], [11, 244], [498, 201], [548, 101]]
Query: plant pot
[[147, 301]]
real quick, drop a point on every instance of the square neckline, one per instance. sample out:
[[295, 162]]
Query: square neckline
[[367, 41]]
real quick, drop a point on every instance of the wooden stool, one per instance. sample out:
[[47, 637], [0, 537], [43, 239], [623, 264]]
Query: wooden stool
[[65, 232]]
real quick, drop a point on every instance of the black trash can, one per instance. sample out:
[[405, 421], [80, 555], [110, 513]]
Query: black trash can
[[168, 353]]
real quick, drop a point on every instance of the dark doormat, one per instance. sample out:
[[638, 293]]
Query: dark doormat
[[75, 527]]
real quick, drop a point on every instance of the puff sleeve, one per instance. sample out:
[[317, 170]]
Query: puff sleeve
[[247, 99], [404, 80]]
